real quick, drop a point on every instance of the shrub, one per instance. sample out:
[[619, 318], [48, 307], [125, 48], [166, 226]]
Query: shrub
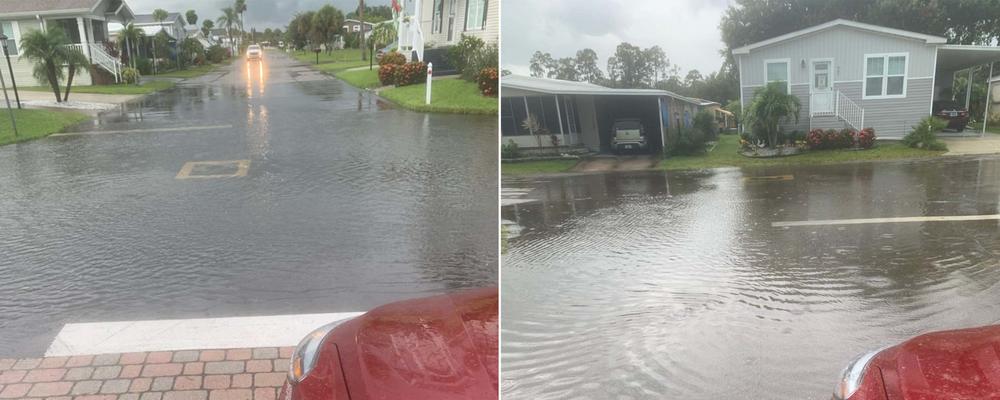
[[411, 73], [216, 53], [510, 150], [689, 141], [924, 134], [130, 76], [770, 106], [460, 54], [392, 58], [815, 139], [866, 138], [387, 74], [144, 65], [489, 81], [832, 139], [847, 136], [704, 122]]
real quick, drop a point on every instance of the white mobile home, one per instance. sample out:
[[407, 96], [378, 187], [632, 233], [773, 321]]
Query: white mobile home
[[847, 73]]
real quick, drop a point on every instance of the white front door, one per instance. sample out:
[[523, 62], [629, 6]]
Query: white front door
[[821, 87]]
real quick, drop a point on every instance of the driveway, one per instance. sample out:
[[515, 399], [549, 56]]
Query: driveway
[[739, 284], [264, 189]]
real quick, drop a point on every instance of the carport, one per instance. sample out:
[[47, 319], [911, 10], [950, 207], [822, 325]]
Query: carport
[[644, 108], [954, 58]]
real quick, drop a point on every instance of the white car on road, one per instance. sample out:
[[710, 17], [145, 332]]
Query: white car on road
[[254, 52]]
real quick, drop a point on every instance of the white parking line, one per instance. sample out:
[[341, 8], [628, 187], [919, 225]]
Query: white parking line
[[188, 334], [177, 129], [861, 221]]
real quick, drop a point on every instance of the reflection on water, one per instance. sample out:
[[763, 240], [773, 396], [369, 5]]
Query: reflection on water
[[675, 285]]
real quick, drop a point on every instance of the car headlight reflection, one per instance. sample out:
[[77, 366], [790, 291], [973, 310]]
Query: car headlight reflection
[[304, 357], [850, 379]]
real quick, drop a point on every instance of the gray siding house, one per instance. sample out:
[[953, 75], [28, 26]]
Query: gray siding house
[[851, 74]]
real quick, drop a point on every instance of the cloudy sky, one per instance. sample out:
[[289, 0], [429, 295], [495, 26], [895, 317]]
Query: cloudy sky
[[260, 13], [687, 30]]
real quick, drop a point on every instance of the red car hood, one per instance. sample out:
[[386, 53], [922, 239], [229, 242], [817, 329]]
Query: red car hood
[[962, 364], [442, 347]]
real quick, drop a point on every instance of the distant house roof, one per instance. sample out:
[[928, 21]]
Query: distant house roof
[[357, 22], [46, 7], [563, 87], [929, 39], [147, 19]]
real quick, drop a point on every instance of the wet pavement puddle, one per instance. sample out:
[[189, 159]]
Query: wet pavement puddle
[[214, 169]]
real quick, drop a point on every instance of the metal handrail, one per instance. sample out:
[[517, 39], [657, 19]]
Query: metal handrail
[[850, 111]]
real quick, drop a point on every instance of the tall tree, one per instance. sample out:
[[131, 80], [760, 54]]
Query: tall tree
[[192, 17], [240, 6], [129, 40], [228, 19], [73, 59], [655, 60], [541, 63], [629, 67], [587, 68], [159, 15]]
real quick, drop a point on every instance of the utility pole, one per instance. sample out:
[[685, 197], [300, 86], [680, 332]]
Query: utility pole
[[361, 16]]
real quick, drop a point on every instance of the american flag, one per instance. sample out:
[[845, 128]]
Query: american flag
[[396, 6]]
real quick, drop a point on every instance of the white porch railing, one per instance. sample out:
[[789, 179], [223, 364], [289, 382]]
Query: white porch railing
[[101, 58], [849, 111]]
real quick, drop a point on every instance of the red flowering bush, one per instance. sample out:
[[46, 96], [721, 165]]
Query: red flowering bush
[[387, 74], [848, 138], [815, 139], [411, 73], [392, 58], [489, 81], [833, 139], [866, 138]]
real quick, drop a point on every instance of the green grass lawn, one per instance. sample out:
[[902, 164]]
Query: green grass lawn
[[33, 124], [191, 72], [362, 78], [148, 86], [725, 155], [537, 167], [448, 95], [337, 60]]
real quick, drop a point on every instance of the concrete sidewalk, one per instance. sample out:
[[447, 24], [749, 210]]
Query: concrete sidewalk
[[250, 374], [988, 144]]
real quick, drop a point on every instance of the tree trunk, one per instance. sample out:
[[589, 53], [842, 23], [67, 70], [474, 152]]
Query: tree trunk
[[53, 82], [69, 81]]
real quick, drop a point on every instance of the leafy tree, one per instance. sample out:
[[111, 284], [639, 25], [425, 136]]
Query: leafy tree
[[736, 109], [541, 63], [655, 60], [771, 105], [629, 67], [372, 13], [326, 23], [228, 19], [206, 27], [383, 34], [49, 51], [300, 28], [192, 17], [586, 66]]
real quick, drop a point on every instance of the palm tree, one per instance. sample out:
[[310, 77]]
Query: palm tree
[[130, 38], [159, 15], [73, 58], [240, 6], [45, 49], [192, 17], [771, 105], [206, 27], [228, 19]]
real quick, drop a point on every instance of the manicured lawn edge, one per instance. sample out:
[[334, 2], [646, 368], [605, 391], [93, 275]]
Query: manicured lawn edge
[[149, 86], [37, 123], [449, 96], [725, 155], [362, 78]]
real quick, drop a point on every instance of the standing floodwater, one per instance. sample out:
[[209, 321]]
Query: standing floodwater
[[676, 285]]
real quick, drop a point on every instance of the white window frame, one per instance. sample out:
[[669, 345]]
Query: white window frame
[[17, 38], [480, 18], [885, 75], [788, 71]]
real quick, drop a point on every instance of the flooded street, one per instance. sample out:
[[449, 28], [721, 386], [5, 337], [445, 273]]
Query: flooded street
[[680, 284], [335, 202]]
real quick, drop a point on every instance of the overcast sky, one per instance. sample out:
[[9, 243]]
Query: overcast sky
[[260, 13], [687, 30]]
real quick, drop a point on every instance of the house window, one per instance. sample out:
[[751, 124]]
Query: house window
[[475, 15], [885, 76], [8, 30], [438, 19], [778, 71]]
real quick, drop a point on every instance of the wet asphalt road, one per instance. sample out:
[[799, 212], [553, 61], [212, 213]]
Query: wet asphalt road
[[347, 204], [676, 285]]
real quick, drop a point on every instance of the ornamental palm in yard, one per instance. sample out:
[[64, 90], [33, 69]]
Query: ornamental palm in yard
[[50, 50], [770, 105]]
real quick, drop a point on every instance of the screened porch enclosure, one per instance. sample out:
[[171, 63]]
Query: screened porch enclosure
[[534, 121]]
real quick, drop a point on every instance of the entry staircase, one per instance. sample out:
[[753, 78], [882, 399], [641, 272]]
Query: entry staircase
[[844, 109], [101, 58]]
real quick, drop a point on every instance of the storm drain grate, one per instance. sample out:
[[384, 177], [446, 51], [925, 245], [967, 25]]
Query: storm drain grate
[[214, 169]]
